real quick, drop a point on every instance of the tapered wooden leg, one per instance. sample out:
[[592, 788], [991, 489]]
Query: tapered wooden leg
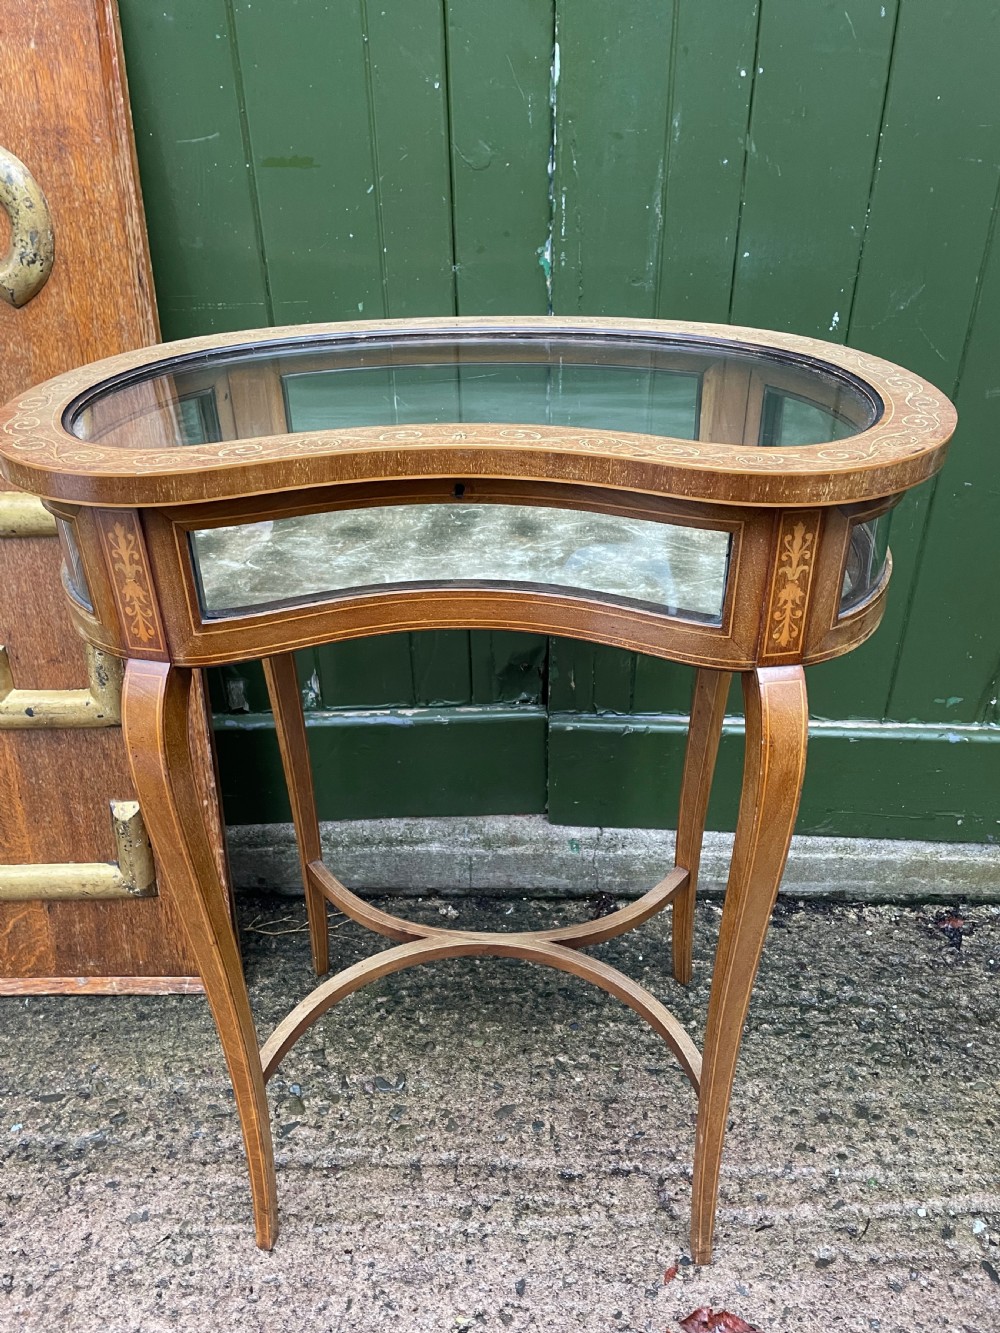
[[155, 703], [708, 707], [776, 727], [290, 724]]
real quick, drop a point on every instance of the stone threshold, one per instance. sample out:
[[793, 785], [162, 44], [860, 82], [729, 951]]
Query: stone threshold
[[526, 856]]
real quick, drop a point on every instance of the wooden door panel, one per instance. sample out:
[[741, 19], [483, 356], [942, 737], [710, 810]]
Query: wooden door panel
[[64, 114]]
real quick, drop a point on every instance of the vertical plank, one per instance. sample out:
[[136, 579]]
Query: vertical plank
[[661, 687], [508, 667], [590, 677], [571, 678], [185, 99], [406, 44], [439, 661], [612, 90], [366, 673], [952, 642], [645, 210], [304, 74], [712, 77], [819, 88], [917, 283], [499, 78]]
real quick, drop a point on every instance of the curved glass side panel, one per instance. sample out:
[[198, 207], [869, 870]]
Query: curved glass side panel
[[73, 575], [678, 571], [866, 557]]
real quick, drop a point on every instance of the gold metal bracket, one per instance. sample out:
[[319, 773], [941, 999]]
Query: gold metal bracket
[[25, 268], [132, 876], [98, 704], [23, 515]]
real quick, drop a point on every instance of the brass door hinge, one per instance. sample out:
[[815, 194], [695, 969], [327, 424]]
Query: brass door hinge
[[132, 876], [23, 515], [97, 704]]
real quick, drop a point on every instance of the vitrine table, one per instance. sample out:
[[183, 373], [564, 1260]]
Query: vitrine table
[[712, 495]]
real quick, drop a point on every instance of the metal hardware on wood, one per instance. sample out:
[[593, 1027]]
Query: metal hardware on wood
[[25, 268], [23, 515], [98, 704], [132, 876]]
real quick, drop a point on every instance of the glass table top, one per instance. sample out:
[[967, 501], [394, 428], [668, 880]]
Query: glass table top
[[683, 388]]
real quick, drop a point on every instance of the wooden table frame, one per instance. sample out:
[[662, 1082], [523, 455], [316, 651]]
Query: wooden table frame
[[790, 513]]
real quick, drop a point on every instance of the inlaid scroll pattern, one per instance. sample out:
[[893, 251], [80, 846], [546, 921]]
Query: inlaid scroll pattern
[[788, 603], [915, 410], [135, 597], [127, 558]]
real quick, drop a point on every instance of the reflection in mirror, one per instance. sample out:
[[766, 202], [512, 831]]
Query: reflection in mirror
[[676, 570]]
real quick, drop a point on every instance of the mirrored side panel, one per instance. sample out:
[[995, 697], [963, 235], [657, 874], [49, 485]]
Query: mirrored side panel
[[673, 569]]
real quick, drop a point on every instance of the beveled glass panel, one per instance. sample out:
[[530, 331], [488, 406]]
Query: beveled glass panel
[[648, 385], [866, 556], [680, 571]]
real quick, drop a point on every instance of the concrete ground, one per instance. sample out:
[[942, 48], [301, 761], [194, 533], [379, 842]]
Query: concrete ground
[[487, 1145]]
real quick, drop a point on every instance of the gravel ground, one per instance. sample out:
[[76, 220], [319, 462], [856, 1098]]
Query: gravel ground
[[486, 1145]]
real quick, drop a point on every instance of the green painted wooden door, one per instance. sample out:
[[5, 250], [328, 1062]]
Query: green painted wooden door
[[830, 169]]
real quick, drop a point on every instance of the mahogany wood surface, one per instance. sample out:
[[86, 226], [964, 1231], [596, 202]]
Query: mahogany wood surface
[[290, 726], [905, 445], [777, 724], [64, 112], [788, 512], [708, 707], [156, 705], [434, 946]]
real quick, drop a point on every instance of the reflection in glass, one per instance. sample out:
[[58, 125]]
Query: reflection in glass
[[640, 399], [866, 557], [665, 385], [676, 570], [198, 418], [788, 420], [73, 575]]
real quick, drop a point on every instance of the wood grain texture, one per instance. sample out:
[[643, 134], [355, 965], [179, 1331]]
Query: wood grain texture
[[905, 445], [708, 707], [156, 712], [777, 726], [290, 728], [64, 112], [435, 948], [864, 117], [101, 986]]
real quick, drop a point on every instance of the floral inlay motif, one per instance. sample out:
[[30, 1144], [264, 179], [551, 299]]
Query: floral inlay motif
[[794, 569], [126, 558]]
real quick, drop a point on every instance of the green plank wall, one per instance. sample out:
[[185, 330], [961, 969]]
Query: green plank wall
[[827, 168]]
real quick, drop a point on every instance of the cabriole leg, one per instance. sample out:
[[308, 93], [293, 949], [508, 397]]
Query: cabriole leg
[[776, 727], [155, 712], [290, 724], [708, 707]]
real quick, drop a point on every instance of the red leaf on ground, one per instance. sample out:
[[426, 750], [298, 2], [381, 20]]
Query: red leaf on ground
[[707, 1320], [670, 1274]]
